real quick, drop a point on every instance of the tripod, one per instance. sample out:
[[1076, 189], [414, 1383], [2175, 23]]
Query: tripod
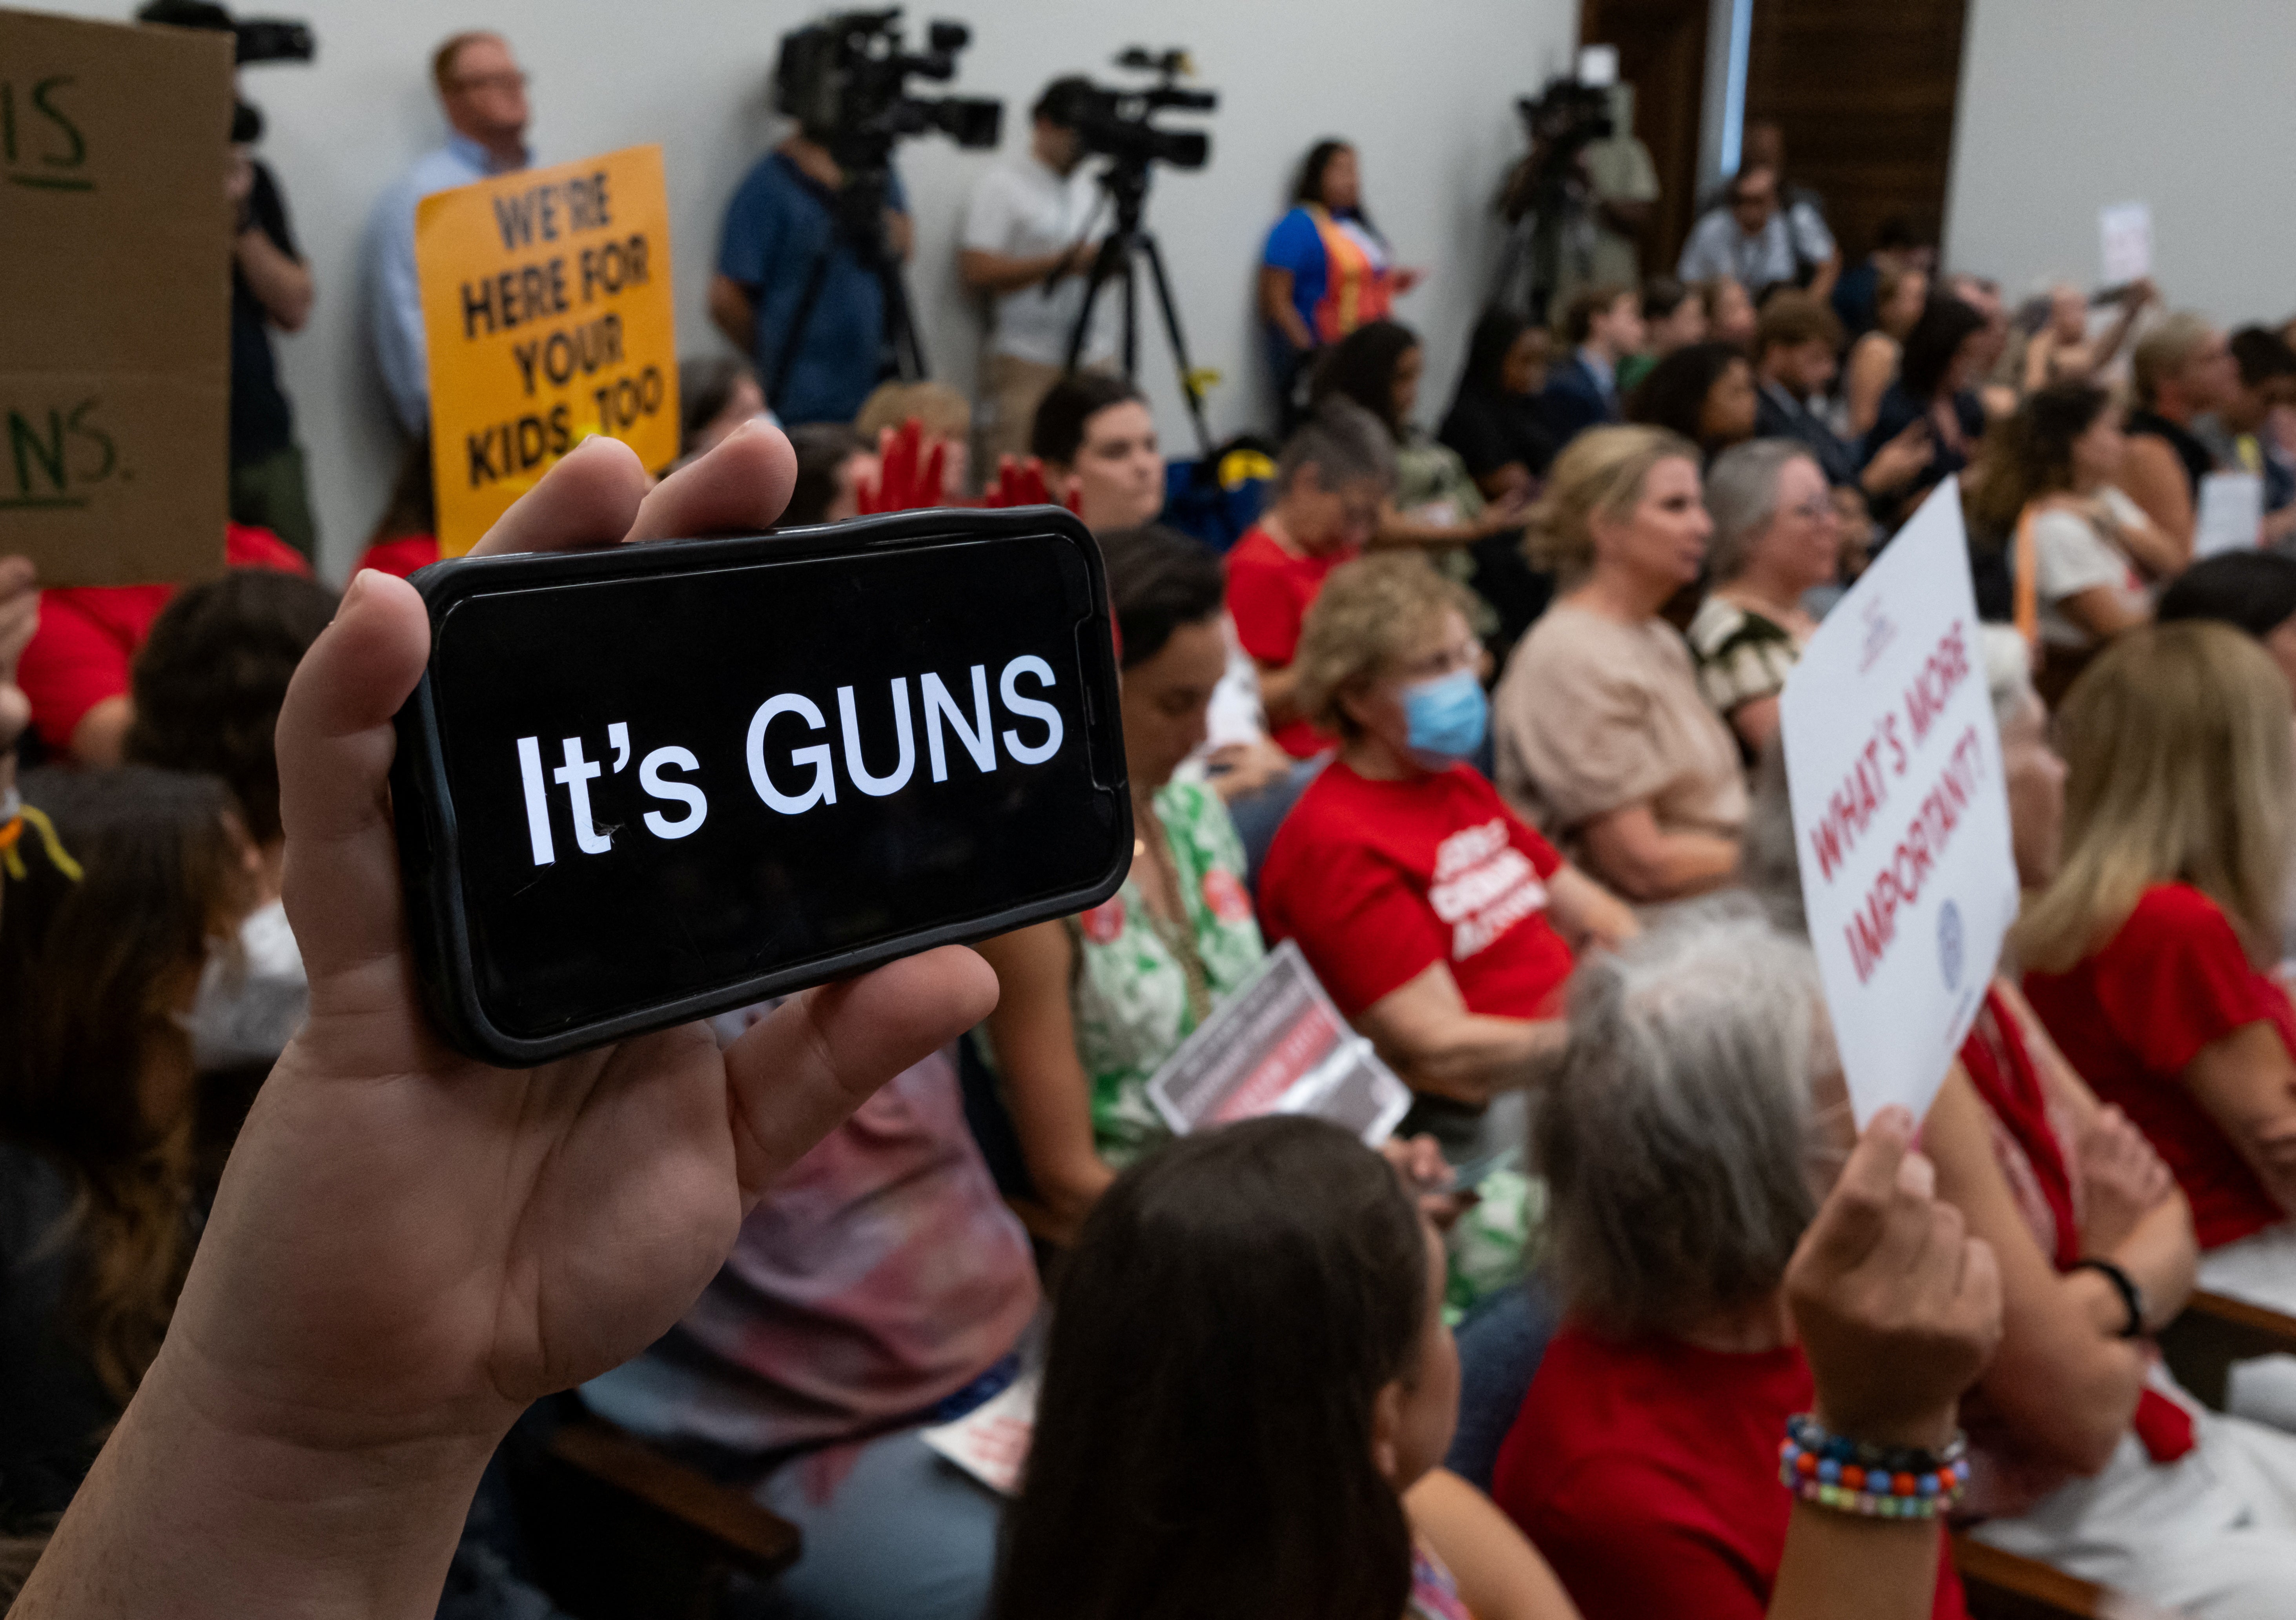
[[1126, 182], [858, 221]]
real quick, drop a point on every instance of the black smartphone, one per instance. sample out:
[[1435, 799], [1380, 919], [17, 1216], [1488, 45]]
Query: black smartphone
[[647, 783]]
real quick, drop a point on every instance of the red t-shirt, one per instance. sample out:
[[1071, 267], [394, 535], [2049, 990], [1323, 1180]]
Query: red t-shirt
[[2132, 1016], [403, 555], [1268, 592], [1647, 1473], [1376, 879], [89, 635]]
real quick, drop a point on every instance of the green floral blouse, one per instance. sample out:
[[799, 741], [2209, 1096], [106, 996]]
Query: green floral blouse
[[1128, 993]]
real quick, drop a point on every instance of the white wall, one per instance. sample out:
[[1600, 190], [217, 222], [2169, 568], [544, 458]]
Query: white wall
[[2066, 108], [1426, 91]]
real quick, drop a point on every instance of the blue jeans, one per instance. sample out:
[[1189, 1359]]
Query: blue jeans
[[891, 1529]]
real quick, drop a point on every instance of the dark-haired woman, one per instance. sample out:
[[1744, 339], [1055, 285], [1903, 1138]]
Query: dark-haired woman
[[2081, 550], [1704, 392], [1091, 1005], [2250, 591], [1324, 272], [1674, 316], [1495, 423], [103, 931], [1945, 355], [1248, 1388]]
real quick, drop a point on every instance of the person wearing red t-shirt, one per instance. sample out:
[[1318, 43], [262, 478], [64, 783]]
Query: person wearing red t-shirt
[[2148, 958], [1440, 923], [1333, 477], [76, 669], [1714, 1307]]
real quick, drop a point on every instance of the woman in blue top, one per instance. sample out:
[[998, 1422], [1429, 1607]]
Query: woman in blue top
[[1325, 270]]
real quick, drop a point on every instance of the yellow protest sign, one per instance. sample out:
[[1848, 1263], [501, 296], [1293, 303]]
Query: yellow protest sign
[[546, 312]]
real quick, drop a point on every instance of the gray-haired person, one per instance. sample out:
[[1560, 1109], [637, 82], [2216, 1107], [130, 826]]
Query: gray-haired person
[[1730, 1284], [1777, 536]]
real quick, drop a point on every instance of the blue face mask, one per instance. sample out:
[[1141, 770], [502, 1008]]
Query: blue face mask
[[1448, 716]]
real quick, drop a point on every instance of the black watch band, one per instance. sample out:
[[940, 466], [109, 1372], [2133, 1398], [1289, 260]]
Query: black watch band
[[2131, 1297]]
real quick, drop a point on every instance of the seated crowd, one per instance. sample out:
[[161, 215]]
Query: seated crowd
[[1482, 718]]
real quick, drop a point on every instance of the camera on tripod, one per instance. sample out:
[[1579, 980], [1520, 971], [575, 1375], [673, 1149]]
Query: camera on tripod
[[1563, 120], [845, 80], [255, 38], [1115, 123]]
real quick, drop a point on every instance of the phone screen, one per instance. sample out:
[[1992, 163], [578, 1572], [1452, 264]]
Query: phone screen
[[667, 782]]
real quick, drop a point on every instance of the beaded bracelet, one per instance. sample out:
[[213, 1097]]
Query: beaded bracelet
[[1875, 1481]]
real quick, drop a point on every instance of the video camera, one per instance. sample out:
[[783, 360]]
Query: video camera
[[844, 80], [1567, 117], [256, 38], [1114, 123]]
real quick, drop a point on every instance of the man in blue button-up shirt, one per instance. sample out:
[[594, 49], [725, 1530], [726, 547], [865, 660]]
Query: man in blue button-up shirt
[[484, 95]]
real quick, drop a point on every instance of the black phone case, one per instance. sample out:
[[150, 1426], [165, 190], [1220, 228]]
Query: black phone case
[[424, 813]]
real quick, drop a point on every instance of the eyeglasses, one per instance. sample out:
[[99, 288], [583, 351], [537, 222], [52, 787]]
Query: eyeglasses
[[510, 78], [1459, 655], [1814, 510], [1751, 200]]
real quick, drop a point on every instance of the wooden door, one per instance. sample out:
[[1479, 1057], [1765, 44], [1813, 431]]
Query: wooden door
[[1662, 53], [1865, 95]]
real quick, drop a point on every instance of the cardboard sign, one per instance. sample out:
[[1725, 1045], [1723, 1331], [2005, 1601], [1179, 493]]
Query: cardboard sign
[[546, 313], [1893, 765], [115, 299], [1278, 1046], [2125, 230], [2231, 518]]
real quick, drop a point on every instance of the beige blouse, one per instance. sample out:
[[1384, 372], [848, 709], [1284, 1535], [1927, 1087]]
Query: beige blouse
[[1593, 716]]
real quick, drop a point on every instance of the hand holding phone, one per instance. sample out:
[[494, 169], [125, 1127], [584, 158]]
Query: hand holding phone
[[641, 785]]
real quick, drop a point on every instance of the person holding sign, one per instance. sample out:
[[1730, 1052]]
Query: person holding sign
[[1092, 1005], [1728, 1290], [2150, 957], [482, 91], [1604, 739], [2083, 1454], [1442, 925]]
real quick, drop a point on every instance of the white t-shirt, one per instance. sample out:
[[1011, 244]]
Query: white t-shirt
[[2070, 555], [1024, 209]]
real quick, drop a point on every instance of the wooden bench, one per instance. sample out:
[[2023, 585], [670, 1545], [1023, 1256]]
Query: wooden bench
[[2215, 1330], [2003, 1586]]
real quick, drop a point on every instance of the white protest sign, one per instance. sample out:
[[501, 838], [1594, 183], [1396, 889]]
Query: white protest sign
[[2125, 230], [1893, 767], [2232, 513]]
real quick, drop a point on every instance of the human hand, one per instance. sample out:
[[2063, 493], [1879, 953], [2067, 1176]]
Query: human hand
[[2122, 1181], [1021, 483], [1241, 769], [409, 1246], [1405, 277], [1904, 457], [1897, 1307], [909, 477], [1505, 512], [1418, 1163]]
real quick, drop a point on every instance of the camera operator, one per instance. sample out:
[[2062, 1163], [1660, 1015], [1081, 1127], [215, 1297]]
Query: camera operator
[[482, 91], [1618, 184], [781, 222], [270, 286], [1024, 243]]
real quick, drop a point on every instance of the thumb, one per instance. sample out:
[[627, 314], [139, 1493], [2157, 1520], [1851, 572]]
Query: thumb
[[1850, 1223]]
